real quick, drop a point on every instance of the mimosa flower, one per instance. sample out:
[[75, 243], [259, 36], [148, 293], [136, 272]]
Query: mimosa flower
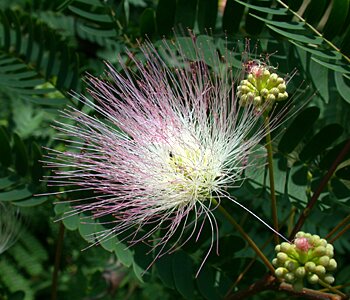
[[165, 143]]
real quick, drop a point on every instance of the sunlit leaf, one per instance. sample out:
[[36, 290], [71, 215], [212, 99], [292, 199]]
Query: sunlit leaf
[[342, 68], [300, 37], [273, 11], [286, 25]]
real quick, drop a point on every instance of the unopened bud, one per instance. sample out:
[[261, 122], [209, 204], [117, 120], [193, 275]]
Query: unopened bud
[[250, 97], [291, 265], [275, 262], [300, 234], [307, 257], [320, 270], [282, 96], [319, 251], [313, 279], [300, 272], [310, 266], [285, 247], [323, 242], [329, 250], [289, 277], [282, 87], [264, 92], [315, 239], [324, 261], [329, 279], [266, 73], [332, 265], [282, 257], [257, 100], [273, 78], [270, 98], [262, 89], [280, 272], [274, 91]]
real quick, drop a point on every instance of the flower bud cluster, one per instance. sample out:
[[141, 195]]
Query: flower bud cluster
[[308, 257], [261, 88]]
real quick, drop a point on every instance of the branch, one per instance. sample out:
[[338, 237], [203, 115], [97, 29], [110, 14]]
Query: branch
[[319, 190], [270, 282]]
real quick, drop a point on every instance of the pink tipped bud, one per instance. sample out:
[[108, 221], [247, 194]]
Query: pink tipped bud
[[302, 244]]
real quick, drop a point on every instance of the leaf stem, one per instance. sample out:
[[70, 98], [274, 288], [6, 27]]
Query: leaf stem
[[244, 235], [314, 30], [343, 222], [269, 282], [347, 227], [271, 178], [331, 288]]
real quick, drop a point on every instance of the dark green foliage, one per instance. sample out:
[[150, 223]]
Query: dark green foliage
[[46, 48]]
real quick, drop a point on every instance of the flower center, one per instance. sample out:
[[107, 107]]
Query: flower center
[[193, 172]]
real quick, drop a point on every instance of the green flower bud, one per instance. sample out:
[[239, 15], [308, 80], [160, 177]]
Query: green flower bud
[[282, 87], [329, 250], [313, 279], [324, 260], [320, 270], [332, 265], [244, 82], [329, 279], [245, 89], [275, 262], [300, 234], [250, 97], [266, 73], [282, 257], [257, 100], [274, 91], [300, 272], [267, 88], [243, 100], [251, 78], [285, 247], [270, 98], [289, 277], [280, 272], [315, 239], [273, 78], [291, 265], [308, 257], [264, 92], [320, 251], [282, 96], [280, 80], [323, 242], [310, 266]]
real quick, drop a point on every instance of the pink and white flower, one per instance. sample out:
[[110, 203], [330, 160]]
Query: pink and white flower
[[164, 143]]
